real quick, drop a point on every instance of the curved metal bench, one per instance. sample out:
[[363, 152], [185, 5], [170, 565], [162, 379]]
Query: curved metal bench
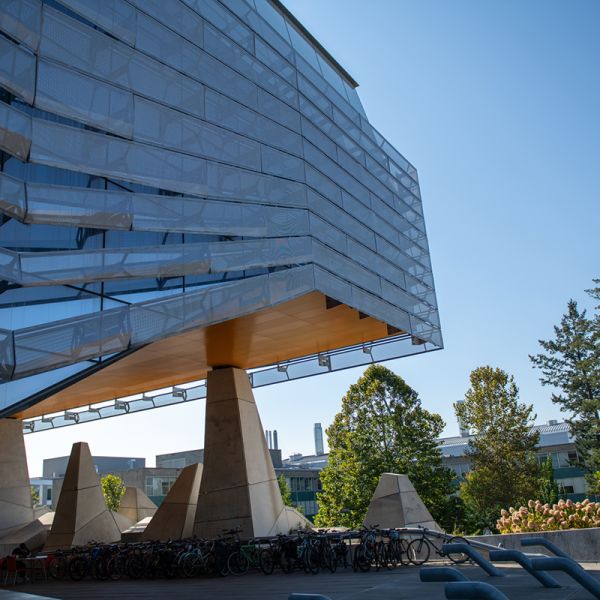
[[475, 556], [519, 557], [541, 541], [571, 568]]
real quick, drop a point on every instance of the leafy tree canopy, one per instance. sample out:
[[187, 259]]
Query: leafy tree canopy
[[381, 428], [502, 451], [35, 497], [286, 493], [113, 490]]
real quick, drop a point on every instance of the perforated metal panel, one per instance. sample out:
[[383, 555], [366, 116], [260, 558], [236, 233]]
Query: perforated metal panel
[[170, 166]]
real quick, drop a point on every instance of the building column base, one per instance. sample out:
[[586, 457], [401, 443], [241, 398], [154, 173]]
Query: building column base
[[16, 508], [239, 487]]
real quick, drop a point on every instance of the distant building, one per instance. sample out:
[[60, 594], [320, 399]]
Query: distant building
[[180, 460], [43, 487], [302, 474], [155, 482], [319, 449], [55, 468], [555, 441], [304, 485]]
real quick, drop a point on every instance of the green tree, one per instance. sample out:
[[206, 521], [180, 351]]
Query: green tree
[[113, 490], [286, 493], [35, 497], [504, 468], [593, 480], [381, 428], [571, 363], [548, 492]]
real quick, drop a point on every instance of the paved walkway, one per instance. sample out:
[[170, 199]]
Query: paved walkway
[[401, 584]]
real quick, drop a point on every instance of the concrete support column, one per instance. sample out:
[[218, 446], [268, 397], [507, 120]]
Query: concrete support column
[[239, 487], [81, 513], [16, 508]]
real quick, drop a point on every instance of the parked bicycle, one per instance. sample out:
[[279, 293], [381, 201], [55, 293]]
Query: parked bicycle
[[419, 549]]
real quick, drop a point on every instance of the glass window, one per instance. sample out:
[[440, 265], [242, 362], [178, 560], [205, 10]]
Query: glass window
[[273, 17], [175, 15], [303, 48], [213, 11]]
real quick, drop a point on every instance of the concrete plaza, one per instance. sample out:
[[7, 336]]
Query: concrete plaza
[[400, 584]]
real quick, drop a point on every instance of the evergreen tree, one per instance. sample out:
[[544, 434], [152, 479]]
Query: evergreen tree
[[381, 428], [504, 469], [571, 363], [548, 492]]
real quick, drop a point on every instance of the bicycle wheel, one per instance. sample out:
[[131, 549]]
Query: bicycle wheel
[[387, 557], [78, 568], [134, 567], [190, 565], [394, 553], [380, 555], [314, 560], [237, 563], [457, 557], [360, 561], [222, 567], [286, 562], [418, 552], [266, 561], [57, 569], [116, 567], [100, 568], [403, 551], [329, 558]]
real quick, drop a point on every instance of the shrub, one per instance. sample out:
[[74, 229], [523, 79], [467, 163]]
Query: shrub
[[565, 514]]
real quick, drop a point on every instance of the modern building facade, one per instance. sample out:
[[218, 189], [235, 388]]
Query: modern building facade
[[187, 185], [555, 442], [53, 468], [43, 488]]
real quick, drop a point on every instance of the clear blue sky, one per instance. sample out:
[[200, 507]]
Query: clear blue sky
[[497, 104]]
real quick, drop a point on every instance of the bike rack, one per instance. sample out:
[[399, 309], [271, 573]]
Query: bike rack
[[436, 574], [417, 531], [519, 557], [473, 590], [540, 541], [475, 556], [571, 568]]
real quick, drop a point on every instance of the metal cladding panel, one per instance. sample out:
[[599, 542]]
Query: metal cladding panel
[[175, 165]]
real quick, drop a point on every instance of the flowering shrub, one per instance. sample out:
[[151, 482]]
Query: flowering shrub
[[536, 516]]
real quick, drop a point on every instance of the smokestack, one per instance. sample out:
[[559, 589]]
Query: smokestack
[[275, 442], [267, 437], [319, 440], [464, 432], [270, 440]]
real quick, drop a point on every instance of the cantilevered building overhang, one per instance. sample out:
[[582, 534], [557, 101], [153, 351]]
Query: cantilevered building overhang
[[191, 185]]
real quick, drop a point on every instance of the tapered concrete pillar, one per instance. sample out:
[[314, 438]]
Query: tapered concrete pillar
[[81, 513], [174, 518], [16, 508], [239, 487], [396, 503], [135, 505]]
